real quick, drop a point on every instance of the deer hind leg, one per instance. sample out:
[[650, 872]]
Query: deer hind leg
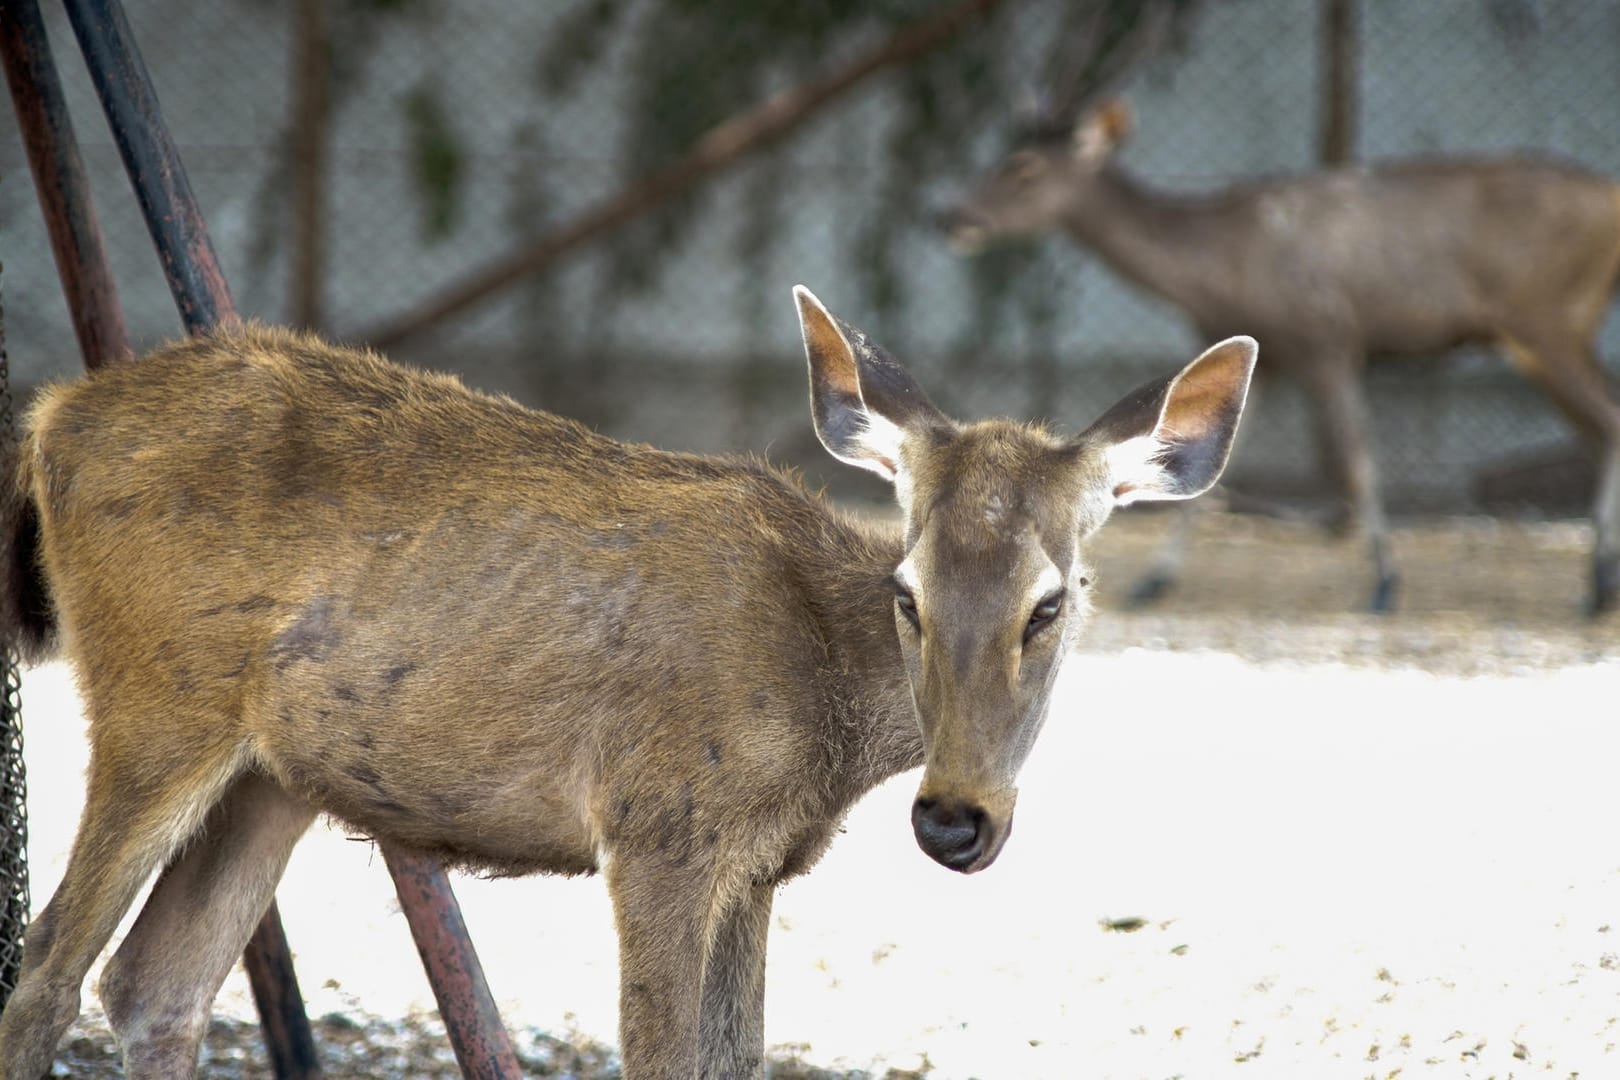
[[732, 1041], [159, 987], [1334, 384], [1571, 375], [141, 807], [1162, 576]]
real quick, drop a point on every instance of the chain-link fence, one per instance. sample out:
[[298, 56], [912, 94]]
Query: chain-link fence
[[451, 136], [14, 894]]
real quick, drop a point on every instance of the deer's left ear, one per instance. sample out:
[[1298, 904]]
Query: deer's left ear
[[1171, 439], [864, 404], [1102, 129]]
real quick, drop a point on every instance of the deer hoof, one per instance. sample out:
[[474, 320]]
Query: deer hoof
[[1150, 589], [1383, 597], [1605, 588]]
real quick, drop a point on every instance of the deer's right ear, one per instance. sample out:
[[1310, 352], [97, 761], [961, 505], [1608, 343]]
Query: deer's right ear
[[863, 402], [1101, 130]]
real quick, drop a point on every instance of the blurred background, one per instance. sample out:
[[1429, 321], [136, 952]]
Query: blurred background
[[361, 161], [599, 207]]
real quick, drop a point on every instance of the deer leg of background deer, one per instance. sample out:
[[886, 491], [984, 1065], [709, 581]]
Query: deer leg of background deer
[[1333, 379], [662, 904], [138, 813], [732, 1044], [159, 987], [1606, 519], [1166, 569], [1162, 576], [1570, 373]]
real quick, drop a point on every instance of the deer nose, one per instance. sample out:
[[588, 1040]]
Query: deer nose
[[965, 229], [954, 834]]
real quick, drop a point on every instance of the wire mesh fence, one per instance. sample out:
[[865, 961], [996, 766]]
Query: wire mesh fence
[[451, 135], [14, 894]]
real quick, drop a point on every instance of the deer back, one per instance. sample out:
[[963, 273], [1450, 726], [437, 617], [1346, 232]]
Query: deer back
[[439, 614]]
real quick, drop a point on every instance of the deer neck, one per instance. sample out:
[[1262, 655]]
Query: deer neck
[[1165, 243], [871, 718]]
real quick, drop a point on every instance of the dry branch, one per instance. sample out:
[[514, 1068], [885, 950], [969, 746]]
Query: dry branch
[[721, 147]]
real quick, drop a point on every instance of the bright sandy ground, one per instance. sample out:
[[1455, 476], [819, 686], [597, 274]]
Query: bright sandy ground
[[1341, 872], [1351, 871]]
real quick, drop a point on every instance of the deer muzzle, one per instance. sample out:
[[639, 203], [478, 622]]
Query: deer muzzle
[[967, 232], [958, 834]]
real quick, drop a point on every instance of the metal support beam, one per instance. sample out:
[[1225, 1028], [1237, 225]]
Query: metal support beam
[[64, 190], [153, 163], [482, 1047]]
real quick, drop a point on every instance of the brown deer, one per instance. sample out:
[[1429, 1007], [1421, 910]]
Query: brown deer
[[298, 579], [1413, 257]]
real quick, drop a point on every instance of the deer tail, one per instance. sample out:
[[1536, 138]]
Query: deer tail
[[27, 616]]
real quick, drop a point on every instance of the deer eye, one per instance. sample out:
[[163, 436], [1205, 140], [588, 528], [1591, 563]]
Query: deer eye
[[1044, 613], [907, 604]]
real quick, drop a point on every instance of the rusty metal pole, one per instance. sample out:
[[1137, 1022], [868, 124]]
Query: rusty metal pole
[[64, 190], [195, 278], [153, 163], [482, 1047]]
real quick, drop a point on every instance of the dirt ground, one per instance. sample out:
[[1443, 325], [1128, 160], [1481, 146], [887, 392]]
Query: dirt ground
[[1479, 596], [1476, 595]]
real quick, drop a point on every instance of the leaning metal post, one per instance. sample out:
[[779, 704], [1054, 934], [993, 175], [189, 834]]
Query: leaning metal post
[[63, 188]]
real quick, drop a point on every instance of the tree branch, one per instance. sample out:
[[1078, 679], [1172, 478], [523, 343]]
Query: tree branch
[[717, 150]]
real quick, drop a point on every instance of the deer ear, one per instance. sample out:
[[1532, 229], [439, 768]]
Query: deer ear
[[1102, 129], [1171, 439], [864, 404]]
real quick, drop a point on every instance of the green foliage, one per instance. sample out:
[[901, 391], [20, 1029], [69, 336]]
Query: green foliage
[[436, 159], [692, 64], [681, 67]]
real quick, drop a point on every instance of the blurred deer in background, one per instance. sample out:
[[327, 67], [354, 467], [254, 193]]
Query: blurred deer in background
[[1327, 268], [298, 579]]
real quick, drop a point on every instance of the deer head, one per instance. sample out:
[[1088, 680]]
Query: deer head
[[993, 587], [1039, 185]]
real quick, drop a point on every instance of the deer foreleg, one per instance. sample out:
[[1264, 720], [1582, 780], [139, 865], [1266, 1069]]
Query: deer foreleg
[[159, 987], [662, 906], [733, 1020], [1162, 576]]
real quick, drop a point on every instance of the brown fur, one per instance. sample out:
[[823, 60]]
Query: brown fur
[[296, 578]]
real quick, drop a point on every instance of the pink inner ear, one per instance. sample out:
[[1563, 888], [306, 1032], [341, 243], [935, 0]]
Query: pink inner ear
[[835, 362], [1195, 407]]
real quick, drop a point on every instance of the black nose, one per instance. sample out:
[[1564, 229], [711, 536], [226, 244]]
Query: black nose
[[966, 231], [951, 219], [952, 833]]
